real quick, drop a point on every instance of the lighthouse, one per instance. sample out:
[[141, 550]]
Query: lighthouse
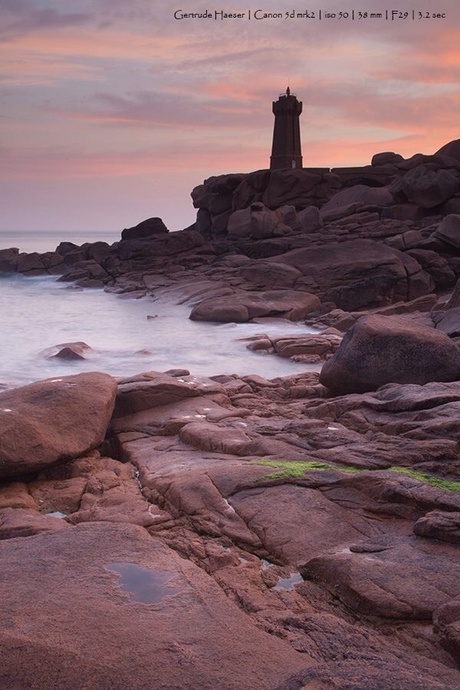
[[286, 148]]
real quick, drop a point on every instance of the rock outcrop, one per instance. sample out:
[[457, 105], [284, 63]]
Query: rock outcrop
[[246, 532], [292, 516], [151, 226], [76, 351], [53, 421], [406, 206], [395, 187], [389, 349], [136, 615], [358, 274]]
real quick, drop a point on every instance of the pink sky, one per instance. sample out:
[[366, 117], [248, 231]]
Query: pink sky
[[113, 111]]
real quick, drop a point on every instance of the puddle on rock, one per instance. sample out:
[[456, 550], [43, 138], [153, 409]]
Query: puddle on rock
[[144, 584], [287, 583]]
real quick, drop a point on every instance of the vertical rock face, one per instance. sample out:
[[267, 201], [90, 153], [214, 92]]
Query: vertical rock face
[[403, 189], [218, 197], [429, 188], [8, 260], [52, 421], [449, 230], [387, 349]]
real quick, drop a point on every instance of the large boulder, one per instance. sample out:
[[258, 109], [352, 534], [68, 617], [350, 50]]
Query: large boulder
[[256, 221], [275, 188], [357, 274], [156, 245], [20, 522], [386, 349], [151, 226], [301, 187], [449, 230], [452, 149], [386, 158], [53, 421], [270, 275], [309, 219], [31, 264], [441, 525], [449, 322], [259, 223], [375, 196], [157, 390], [446, 621], [437, 266], [9, 260], [429, 188], [204, 195]]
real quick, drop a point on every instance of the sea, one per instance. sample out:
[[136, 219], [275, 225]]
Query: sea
[[126, 336]]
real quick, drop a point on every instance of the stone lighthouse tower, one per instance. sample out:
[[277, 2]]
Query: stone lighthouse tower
[[286, 149]]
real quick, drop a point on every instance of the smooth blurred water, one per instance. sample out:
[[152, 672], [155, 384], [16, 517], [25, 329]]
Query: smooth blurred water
[[38, 313]]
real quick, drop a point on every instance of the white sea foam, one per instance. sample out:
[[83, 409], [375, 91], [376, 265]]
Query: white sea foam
[[38, 313]]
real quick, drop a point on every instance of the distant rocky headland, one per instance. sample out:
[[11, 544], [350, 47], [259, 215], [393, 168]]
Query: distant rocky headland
[[239, 532]]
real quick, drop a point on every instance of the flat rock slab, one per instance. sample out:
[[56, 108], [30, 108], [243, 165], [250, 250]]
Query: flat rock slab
[[53, 421], [447, 627], [402, 578], [135, 395], [194, 484], [19, 522], [358, 273], [367, 672], [244, 306], [410, 411], [107, 606]]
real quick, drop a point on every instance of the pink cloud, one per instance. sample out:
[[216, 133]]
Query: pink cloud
[[118, 90]]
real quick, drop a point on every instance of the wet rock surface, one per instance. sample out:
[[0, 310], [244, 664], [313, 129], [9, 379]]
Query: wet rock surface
[[244, 532], [134, 614], [69, 351]]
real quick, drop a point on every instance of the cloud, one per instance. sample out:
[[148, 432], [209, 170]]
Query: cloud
[[385, 104], [172, 156], [21, 16], [41, 70], [171, 110], [428, 62], [103, 90]]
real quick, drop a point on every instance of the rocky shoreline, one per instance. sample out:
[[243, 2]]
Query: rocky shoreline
[[240, 532]]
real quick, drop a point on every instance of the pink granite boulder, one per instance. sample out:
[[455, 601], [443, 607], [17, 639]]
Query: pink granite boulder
[[387, 349], [52, 421]]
